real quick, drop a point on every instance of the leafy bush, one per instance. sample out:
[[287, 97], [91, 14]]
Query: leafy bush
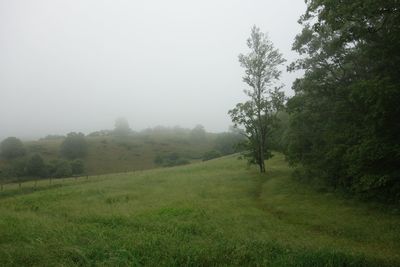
[[77, 166], [171, 159], [59, 169], [211, 155], [12, 147]]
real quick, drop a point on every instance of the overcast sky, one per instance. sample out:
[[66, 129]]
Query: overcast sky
[[77, 65]]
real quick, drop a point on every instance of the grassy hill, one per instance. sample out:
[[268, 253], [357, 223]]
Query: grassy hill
[[214, 213], [110, 154]]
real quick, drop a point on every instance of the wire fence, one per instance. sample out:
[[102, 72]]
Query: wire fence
[[39, 183]]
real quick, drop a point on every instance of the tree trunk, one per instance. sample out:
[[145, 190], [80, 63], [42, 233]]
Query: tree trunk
[[261, 135], [262, 163]]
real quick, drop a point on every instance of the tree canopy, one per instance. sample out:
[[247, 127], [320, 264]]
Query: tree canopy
[[74, 146], [12, 147], [344, 118], [122, 127]]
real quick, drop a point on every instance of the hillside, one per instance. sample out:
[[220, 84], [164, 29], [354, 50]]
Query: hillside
[[214, 213], [110, 154]]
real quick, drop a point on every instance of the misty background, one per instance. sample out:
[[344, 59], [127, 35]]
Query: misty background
[[78, 65]]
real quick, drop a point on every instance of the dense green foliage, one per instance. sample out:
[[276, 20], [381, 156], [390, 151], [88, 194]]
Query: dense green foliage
[[74, 146], [35, 166], [217, 213], [77, 167], [345, 125], [212, 154], [228, 142], [11, 147], [258, 115], [277, 140], [60, 168], [171, 159]]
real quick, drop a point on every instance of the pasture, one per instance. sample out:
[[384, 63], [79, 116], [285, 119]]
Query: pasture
[[219, 212]]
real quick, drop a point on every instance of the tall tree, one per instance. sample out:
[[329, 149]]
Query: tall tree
[[74, 146], [12, 147], [344, 117], [258, 114], [122, 127]]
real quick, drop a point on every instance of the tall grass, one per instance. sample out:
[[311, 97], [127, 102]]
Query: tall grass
[[205, 214]]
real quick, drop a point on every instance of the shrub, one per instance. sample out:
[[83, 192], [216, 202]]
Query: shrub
[[77, 166], [211, 155], [59, 169], [171, 159]]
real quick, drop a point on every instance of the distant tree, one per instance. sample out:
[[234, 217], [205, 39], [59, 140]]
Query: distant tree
[[258, 114], [53, 137], [198, 133], [12, 147], [101, 133], [74, 146], [61, 168], [122, 127], [35, 166], [77, 166], [227, 143], [17, 168], [177, 130]]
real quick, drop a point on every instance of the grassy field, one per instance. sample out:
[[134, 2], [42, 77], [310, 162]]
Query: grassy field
[[214, 213], [112, 154]]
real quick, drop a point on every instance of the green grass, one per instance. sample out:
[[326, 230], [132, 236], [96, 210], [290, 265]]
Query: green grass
[[206, 214], [120, 154]]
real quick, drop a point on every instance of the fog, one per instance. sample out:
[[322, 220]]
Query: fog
[[78, 65]]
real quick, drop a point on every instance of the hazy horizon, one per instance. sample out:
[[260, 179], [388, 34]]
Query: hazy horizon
[[78, 65]]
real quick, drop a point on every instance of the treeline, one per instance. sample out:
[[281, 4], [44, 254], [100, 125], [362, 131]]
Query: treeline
[[344, 120], [121, 149], [225, 143], [24, 167]]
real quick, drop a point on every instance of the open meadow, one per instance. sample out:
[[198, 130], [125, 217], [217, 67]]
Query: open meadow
[[219, 212]]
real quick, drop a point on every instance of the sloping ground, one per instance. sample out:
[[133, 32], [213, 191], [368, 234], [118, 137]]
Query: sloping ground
[[214, 213], [120, 154]]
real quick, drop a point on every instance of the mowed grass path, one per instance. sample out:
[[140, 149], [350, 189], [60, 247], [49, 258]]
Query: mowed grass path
[[206, 214]]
